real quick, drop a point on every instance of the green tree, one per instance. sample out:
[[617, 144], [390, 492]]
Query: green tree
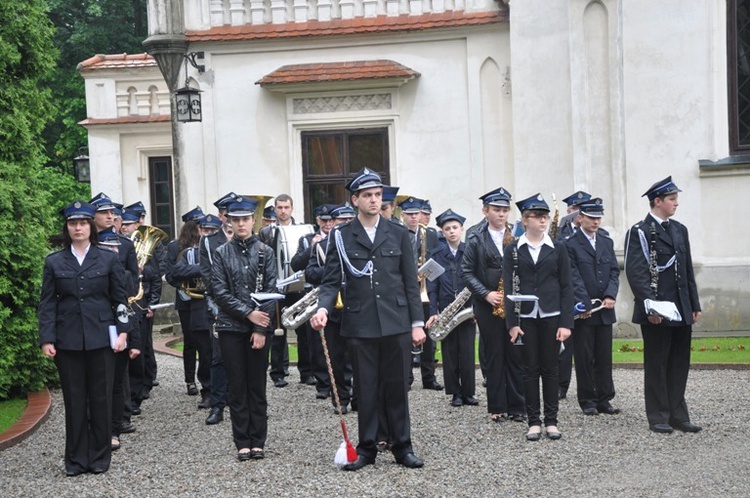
[[27, 190], [84, 28]]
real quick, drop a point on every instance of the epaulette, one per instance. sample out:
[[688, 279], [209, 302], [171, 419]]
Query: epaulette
[[604, 233]]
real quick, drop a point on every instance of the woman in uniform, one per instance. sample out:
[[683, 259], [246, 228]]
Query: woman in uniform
[[82, 324]]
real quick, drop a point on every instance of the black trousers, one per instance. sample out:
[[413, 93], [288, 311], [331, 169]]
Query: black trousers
[[505, 391], [196, 343], [248, 406], [459, 363], [147, 351], [426, 357], [382, 368], [87, 378], [219, 381], [540, 351], [565, 364], [318, 366], [120, 391], [340, 364], [136, 368], [593, 356], [666, 362]]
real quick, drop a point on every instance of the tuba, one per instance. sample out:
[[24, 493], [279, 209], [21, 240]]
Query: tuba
[[145, 240], [451, 317]]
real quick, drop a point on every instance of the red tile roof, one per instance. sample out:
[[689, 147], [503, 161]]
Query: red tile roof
[[337, 71], [152, 118], [117, 61], [359, 25]]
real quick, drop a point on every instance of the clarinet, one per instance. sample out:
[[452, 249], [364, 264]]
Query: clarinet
[[516, 291], [652, 264]]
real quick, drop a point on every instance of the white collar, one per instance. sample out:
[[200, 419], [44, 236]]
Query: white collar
[[546, 240]]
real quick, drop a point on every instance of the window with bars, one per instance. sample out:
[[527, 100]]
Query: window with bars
[[329, 158], [738, 64], [162, 197]]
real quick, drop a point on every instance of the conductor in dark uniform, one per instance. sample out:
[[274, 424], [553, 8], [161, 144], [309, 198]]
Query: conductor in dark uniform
[[659, 267], [595, 275], [383, 315]]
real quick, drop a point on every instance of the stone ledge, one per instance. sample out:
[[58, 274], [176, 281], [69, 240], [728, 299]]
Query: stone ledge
[[37, 410]]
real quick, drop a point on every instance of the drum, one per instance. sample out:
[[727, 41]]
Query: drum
[[287, 239]]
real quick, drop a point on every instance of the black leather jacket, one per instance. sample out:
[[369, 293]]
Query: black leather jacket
[[482, 264], [233, 280]]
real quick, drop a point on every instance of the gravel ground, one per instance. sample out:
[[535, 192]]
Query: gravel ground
[[173, 452]]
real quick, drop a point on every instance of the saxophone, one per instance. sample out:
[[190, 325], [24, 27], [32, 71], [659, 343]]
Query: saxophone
[[301, 311], [499, 310], [451, 317]]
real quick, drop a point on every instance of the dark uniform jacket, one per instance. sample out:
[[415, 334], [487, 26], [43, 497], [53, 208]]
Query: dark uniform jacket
[[549, 279], [565, 227], [676, 283], [208, 246], [302, 257], [183, 271], [172, 255], [595, 273], [444, 289], [233, 280], [386, 303], [79, 302]]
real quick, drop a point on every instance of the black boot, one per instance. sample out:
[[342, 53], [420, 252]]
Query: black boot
[[216, 416]]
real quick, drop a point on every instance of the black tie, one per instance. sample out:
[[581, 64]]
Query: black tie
[[665, 225]]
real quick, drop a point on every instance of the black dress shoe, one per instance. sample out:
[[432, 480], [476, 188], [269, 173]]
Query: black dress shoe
[[383, 446], [661, 428], [280, 382], [192, 390], [344, 410], [216, 416], [154, 383], [322, 395], [590, 410], [688, 427], [205, 402], [561, 394], [457, 400], [127, 428], [434, 385], [411, 461], [145, 394], [73, 472], [98, 470], [135, 410], [359, 463], [257, 454], [517, 417], [243, 456], [608, 410], [470, 400], [311, 381], [554, 435]]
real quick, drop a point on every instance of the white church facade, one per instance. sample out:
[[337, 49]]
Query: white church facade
[[448, 99]]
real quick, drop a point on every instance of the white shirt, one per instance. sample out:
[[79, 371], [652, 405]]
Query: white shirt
[[537, 312], [497, 237], [592, 240], [80, 258]]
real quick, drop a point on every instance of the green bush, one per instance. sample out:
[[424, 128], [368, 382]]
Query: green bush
[[30, 194]]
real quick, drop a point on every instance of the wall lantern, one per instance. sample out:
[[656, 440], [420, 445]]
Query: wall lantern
[[187, 99], [82, 166]]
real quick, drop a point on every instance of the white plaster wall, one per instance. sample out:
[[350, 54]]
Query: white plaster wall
[[540, 65], [436, 147], [101, 97]]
